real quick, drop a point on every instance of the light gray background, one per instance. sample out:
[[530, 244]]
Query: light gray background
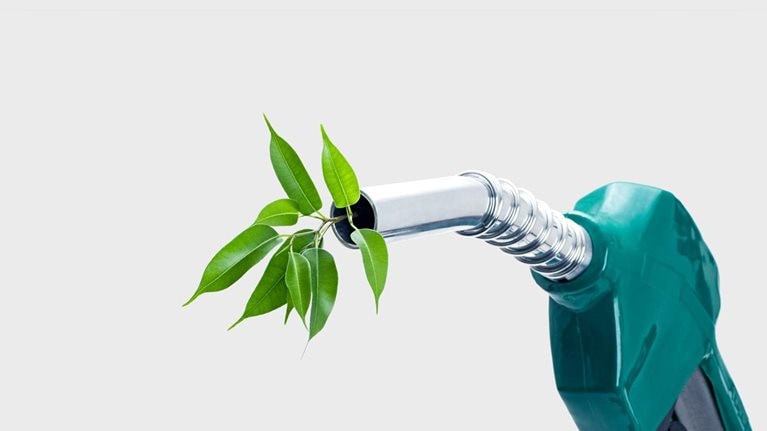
[[132, 148]]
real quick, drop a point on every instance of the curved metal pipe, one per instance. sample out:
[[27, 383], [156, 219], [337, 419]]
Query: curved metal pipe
[[475, 204]]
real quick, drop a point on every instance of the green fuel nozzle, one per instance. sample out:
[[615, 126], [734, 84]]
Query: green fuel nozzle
[[634, 292]]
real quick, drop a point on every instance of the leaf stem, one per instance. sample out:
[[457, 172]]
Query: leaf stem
[[349, 216]]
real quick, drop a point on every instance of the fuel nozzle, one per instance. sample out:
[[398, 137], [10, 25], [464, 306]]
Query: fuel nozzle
[[633, 288], [479, 205]]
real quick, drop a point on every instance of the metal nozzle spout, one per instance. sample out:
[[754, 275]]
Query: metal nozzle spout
[[474, 204]]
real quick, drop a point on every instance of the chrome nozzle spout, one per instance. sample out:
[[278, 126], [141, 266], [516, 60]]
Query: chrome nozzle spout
[[414, 208], [479, 205]]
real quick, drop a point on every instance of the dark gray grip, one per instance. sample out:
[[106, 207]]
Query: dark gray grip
[[695, 409]]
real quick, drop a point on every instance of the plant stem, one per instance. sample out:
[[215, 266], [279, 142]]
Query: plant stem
[[320, 232], [323, 229], [337, 219], [349, 216], [303, 233]]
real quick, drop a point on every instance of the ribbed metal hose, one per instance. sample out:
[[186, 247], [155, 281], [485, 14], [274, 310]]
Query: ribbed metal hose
[[519, 224]]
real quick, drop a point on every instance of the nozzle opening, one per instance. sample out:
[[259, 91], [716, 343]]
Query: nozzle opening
[[363, 215]]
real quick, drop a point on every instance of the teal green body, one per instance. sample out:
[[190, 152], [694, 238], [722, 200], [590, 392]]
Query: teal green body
[[628, 333]]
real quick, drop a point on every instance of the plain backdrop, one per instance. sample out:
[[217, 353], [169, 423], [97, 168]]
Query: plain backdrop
[[132, 148]]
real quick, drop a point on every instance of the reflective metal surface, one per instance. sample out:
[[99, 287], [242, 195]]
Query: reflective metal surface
[[479, 205]]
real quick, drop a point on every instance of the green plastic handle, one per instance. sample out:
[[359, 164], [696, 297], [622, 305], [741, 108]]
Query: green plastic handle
[[627, 334]]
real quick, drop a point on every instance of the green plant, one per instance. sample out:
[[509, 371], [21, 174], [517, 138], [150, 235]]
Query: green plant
[[300, 274]]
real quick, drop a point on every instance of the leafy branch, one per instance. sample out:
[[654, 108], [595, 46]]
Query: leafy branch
[[301, 274]]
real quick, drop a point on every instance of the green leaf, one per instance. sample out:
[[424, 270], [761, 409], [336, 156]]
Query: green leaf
[[282, 212], [292, 174], [288, 309], [298, 279], [324, 279], [236, 258], [271, 291], [338, 174], [301, 242], [375, 258]]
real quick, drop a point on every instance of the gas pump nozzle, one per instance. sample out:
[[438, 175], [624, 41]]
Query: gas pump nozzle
[[633, 289], [478, 205]]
